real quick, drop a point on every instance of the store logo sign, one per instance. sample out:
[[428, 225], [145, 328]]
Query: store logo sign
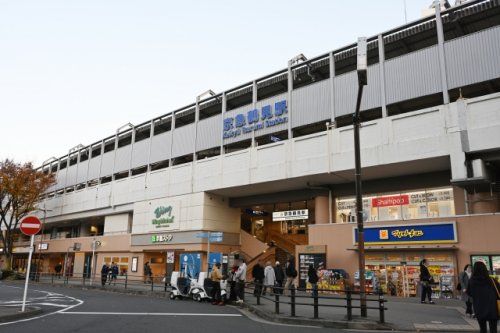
[[163, 216], [255, 120], [396, 200], [407, 233], [167, 238], [383, 234], [428, 233]]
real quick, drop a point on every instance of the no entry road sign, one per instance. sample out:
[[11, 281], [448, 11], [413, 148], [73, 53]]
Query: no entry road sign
[[30, 225]]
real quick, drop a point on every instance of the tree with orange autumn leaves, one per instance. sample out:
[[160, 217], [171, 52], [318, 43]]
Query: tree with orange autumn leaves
[[20, 188]]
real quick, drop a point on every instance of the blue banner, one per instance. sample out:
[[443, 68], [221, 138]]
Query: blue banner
[[409, 234], [215, 257], [190, 264]]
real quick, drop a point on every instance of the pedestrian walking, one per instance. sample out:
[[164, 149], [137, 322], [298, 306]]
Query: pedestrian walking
[[463, 279], [291, 274], [113, 273], [58, 269], [280, 277], [269, 278], [240, 278], [147, 273], [232, 283], [485, 293], [425, 282], [216, 276], [258, 278], [312, 278], [104, 274]]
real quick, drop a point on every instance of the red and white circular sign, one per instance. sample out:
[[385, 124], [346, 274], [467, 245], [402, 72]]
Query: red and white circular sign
[[30, 225]]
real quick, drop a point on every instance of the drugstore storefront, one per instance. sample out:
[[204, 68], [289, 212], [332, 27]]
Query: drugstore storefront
[[395, 251]]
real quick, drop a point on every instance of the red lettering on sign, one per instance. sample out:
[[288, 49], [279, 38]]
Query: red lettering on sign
[[395, 200]]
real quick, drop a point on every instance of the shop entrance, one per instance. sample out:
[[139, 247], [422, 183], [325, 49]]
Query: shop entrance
[[398, 273], [157, 262]]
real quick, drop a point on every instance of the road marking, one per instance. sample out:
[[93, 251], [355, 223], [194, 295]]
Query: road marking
[[172, 314], [79, 302]]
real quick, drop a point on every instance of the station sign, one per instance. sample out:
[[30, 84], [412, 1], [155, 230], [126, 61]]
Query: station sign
[[255, 120], [291, 215]]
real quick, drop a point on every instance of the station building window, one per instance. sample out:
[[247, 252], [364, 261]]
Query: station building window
[[425, 203]]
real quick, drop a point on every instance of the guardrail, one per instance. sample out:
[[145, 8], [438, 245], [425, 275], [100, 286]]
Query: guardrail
[[295, 297], [126, 282], [347, 295]]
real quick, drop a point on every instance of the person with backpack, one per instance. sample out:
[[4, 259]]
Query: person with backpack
[[291, 274], [485, 293]]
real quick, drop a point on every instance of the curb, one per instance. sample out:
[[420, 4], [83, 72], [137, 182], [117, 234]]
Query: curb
[[30, 312], [342, 324]]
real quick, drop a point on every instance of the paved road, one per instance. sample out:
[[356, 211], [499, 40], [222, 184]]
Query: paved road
[[75, 310]]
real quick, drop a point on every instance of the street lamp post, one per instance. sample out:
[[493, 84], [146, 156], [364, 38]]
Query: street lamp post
[[362, 65]]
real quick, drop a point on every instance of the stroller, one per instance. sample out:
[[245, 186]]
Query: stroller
[[182, 287]]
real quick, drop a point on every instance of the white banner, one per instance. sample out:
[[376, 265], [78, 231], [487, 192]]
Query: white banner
[[290, 215]]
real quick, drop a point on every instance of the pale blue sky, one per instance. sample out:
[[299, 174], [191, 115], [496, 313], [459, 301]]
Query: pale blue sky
[[73, 71]]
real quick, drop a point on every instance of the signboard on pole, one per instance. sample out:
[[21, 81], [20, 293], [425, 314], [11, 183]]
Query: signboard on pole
[[30, 226]]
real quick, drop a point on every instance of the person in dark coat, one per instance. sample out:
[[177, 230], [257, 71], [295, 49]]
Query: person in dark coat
[[291, 274], [312, 277], [258, 277], [104, 274], [280, 277], [425, 282], [481, 288], [463, 279]]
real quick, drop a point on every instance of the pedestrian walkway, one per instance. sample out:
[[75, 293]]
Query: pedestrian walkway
[[402, 313], [447, 315]]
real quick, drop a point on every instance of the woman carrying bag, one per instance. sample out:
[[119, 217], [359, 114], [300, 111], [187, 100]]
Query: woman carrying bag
[[485, 297]]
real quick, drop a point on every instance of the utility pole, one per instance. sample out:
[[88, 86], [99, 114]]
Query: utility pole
[[362, 67]]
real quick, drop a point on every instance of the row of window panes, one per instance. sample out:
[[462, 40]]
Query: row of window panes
[[420, 204]]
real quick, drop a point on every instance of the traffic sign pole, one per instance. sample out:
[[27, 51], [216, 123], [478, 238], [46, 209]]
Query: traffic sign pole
[[208, 252], [30, 226], [28, 273]]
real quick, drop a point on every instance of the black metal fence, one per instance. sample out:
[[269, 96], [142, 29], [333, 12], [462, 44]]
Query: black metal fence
[[126, 282], [347, 299]]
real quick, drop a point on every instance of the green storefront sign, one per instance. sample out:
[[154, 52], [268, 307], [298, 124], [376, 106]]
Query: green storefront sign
[[166, 238], [163, 216]]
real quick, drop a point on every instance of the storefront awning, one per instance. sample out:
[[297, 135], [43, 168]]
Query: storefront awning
[[436, 247]]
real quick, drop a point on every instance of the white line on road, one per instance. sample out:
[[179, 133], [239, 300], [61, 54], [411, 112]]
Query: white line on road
[[79, 302], [173, 314]]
